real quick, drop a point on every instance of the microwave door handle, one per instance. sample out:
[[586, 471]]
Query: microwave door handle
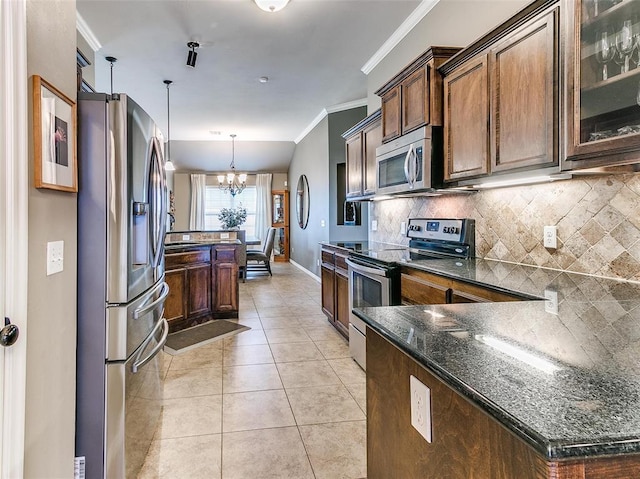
[[409, 168], [407, 173], [416, 166]]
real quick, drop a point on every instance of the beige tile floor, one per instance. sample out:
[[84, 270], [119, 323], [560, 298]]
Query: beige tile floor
[[281, 400]]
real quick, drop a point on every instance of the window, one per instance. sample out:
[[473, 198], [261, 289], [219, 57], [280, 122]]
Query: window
[[216, 199]]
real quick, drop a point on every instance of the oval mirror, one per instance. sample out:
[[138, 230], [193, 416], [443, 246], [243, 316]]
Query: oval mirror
[[302, 201]]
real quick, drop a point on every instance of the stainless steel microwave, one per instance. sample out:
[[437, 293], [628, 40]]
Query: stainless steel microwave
[[405, 164]]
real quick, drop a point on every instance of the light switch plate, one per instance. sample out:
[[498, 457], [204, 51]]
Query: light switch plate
[[55, 257], [374, 225], [403, 228], [420, 407]]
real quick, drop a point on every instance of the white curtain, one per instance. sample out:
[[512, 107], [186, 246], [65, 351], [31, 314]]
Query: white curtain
[[263, 204], [198, 186]]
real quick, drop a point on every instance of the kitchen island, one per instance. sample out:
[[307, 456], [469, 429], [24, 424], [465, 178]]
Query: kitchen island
[[520, 389], [202, 274]]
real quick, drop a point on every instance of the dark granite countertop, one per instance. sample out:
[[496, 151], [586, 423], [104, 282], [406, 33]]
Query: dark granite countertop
[[363, 246], [575, 389], [177, 245]]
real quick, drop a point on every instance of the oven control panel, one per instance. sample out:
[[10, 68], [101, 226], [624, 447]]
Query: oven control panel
[[430, 229]]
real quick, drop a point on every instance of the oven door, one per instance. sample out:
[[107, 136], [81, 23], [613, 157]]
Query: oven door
[[368, 287]]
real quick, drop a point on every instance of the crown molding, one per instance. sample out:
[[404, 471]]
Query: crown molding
[[325, 111], [87, 34], [412, 20]]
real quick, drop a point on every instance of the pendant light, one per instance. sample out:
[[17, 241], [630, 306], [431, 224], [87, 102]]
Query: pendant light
[[168, 165], [271, 5], [232, 182]]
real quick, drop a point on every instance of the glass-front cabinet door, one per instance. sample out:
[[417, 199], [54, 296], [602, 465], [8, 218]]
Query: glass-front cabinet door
[[602, 116], [280, 221]]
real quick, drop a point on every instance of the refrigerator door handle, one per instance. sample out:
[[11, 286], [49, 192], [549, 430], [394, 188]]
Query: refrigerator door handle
[[158, 199], [138, 363], [164, 292]]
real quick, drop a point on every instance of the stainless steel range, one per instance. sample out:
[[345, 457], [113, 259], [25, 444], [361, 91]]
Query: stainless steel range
[[374, 272]]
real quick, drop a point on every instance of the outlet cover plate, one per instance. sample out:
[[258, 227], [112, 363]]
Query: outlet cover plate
[[420, 407], [550, 237]]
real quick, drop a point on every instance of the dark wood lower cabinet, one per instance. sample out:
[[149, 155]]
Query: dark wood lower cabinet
[[466, 442], [175, 307], [225, 281], [342, 303], [203, 284], [421, 287], [335, 287], [327, 275], [199, 291]]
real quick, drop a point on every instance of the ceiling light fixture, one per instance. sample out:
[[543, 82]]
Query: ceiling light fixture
[[271, 5], [168, 165], [232, 182], [193, 55]]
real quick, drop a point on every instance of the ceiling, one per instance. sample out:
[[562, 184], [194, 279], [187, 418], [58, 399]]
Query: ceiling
[[312, 52]]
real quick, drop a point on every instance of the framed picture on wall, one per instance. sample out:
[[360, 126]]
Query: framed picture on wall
[[54, 138]]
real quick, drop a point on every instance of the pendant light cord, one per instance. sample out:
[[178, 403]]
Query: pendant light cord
[[168, 83]]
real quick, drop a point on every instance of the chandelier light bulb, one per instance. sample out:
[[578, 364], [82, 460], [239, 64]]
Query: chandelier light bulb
[[271, 6]]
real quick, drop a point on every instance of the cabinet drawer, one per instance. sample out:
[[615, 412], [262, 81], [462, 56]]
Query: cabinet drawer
[[176, 260], [328, 257], [341, 262], [224, 254]]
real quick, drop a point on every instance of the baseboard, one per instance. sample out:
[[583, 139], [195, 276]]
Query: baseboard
[[305, 270]]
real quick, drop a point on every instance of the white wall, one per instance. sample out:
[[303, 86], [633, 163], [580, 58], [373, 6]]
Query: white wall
[[51, 342], [451, 23]]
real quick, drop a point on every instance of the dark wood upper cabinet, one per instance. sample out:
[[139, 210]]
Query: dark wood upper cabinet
[[371, 139], [601, 117], [361, 141], [466, 105], [413, 98], [524, 96], [354, 165], [391, 126], [501, 98]]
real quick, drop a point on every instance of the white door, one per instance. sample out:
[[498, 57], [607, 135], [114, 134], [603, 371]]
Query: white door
[[14, 186]]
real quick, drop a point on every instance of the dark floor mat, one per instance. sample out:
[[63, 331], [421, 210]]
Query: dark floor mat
[[202, 334]]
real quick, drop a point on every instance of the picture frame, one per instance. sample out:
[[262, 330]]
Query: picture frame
[[54, 138]]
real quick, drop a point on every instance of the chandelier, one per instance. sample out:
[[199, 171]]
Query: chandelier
[[232, 182]]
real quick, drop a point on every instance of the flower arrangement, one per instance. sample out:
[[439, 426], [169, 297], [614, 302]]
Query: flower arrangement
[[232, 217]]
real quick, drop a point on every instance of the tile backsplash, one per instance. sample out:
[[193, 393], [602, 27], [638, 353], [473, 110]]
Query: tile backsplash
[[597, 219]]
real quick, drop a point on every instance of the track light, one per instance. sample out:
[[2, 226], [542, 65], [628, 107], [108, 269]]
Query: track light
[[193, 55]]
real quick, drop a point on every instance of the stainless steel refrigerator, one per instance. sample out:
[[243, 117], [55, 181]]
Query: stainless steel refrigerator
[[122, 212]]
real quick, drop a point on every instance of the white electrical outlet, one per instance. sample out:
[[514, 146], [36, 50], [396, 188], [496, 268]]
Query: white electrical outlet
[[322, 223], [186, 237], [55, 257], [551, 237], [551, 301], [374, 225], [403, 228], [420, 407]]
